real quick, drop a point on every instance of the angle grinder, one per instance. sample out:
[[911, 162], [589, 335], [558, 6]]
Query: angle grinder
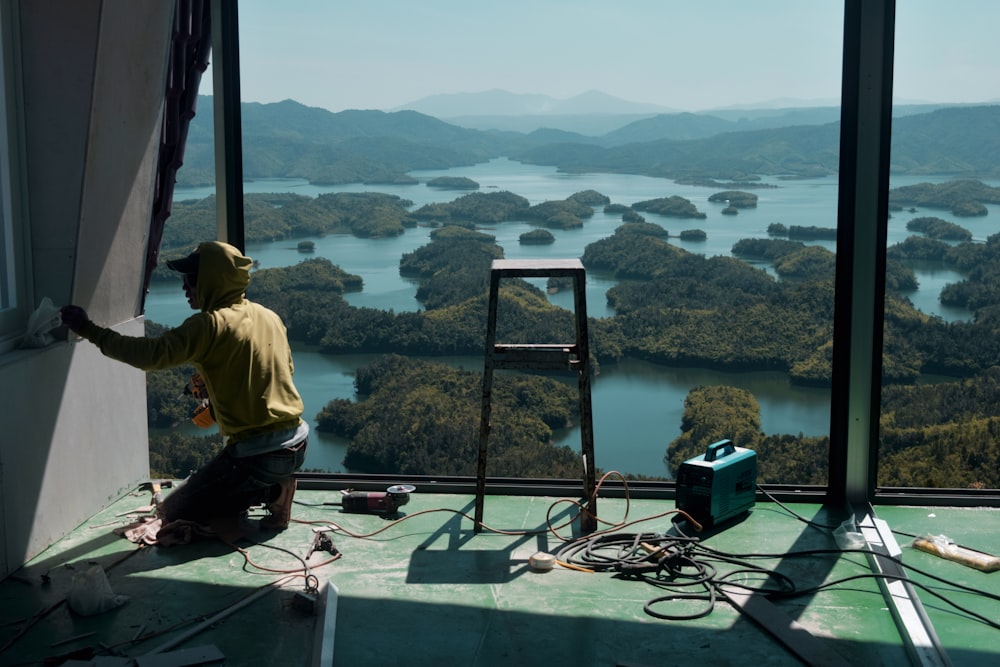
[[385, 502]]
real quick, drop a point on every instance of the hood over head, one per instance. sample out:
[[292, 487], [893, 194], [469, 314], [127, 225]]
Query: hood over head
[[223, 273]]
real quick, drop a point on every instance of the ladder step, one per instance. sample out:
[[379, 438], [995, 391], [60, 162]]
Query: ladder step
[[540, 357], [535, 358], [538, 268], [535, 347]]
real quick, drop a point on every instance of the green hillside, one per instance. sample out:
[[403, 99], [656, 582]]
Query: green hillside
[[290, 140]]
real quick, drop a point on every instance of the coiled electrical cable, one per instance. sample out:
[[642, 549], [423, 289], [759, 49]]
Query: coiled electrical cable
[[693, 572], [683, 566], [675, 563]]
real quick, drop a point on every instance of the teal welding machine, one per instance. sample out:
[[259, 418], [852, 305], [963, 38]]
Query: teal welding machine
[[718, 485]]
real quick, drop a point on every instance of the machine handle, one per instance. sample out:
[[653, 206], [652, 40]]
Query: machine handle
[[712, 452]]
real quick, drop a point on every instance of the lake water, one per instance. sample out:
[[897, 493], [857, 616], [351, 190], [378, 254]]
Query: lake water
[[637, 406]]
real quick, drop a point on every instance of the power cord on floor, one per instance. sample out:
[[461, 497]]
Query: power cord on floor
[[690, 571], [809, 522], [311, 582], [671, 562], [822, 526], [550, 527], [682, 564]]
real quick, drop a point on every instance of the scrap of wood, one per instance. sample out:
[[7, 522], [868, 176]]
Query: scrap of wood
[[145, 509], [198, 655]]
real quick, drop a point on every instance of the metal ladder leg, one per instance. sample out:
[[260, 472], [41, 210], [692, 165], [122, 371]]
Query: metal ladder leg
[[571, 356], [487, 410], [588, 520]]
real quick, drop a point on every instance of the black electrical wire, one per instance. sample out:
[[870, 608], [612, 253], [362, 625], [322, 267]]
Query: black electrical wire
[[984, 619], [810, 522], [966, 589], [684, 566], [675, 563], [687, 568], [816, 524], [865, 552]]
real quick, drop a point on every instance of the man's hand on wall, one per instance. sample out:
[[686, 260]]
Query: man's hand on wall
[[74, 317]]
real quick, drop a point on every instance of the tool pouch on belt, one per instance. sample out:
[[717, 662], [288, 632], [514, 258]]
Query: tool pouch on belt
[[203, 415]]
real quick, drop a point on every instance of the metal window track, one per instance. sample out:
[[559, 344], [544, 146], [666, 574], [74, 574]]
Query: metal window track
[[915, 628]]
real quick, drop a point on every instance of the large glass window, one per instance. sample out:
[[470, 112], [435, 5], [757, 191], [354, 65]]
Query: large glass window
[[12, 309], [687, 153], [940, 424]]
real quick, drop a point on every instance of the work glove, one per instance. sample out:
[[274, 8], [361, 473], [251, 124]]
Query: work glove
[[74, 317]]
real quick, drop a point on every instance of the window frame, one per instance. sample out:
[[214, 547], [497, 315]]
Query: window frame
[[15, 281], [866, 119]]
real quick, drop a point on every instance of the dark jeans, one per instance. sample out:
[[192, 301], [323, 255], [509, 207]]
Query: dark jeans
[[227, 486]]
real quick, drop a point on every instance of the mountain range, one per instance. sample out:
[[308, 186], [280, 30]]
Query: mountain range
[[596, 113], [504, 103], [289, 139], [591, 113]]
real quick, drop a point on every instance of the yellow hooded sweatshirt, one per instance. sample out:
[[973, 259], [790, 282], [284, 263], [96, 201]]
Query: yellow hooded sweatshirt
[[239, 347]]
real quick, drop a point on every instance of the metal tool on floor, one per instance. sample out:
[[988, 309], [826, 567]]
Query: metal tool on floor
[[155, 487], [379, 502], [322, 542]]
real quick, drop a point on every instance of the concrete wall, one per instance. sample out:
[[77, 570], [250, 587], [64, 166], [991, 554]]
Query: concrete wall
[[73, 426]]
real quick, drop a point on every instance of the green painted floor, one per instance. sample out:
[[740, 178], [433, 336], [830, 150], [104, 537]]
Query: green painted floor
[[428, 590]]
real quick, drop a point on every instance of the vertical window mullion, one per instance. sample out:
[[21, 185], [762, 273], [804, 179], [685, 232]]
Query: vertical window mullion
[[861, 238]]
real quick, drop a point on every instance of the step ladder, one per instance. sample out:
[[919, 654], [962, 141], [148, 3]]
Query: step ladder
[[567, 357]]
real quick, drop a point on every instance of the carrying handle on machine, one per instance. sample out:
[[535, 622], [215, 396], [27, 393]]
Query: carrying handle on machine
[[712, 452]]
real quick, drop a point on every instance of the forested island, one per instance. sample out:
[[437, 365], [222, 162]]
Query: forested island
[[537, 237], [453, 183], [964, 198], [674, 206], [671, 307], [735, 198]]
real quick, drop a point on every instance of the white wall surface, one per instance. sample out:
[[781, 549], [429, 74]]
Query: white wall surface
[[73, 432], [74, 440]]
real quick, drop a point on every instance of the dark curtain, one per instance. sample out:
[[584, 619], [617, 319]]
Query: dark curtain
[[190, 46]]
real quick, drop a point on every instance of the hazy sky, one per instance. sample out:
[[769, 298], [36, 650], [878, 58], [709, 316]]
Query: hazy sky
[[682, 54]]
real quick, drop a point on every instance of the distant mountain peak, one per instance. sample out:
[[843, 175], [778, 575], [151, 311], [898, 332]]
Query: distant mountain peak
[[497, 102]]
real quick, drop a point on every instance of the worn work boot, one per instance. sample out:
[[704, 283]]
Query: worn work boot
[[279, 512]]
